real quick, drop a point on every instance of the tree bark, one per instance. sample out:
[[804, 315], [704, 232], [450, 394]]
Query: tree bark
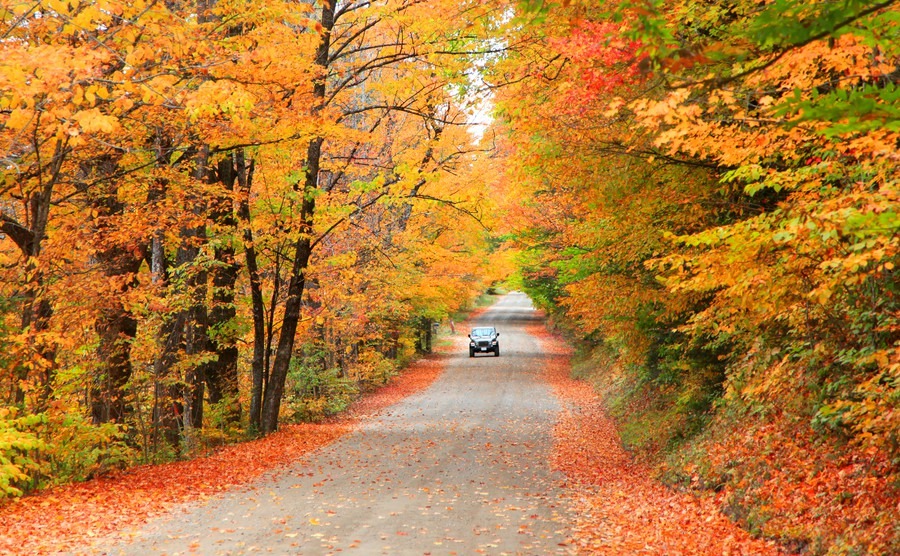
[[36, 310], [284, 351], [116, 327], [185, 336], [119, 264], [195, 319], [222, 374], [303, 245], [258, 368]]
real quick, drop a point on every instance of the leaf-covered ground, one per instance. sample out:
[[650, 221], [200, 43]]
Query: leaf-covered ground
[[67, 519], [619, 508]]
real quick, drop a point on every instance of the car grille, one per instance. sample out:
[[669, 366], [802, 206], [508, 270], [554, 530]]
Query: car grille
[[484, 343]]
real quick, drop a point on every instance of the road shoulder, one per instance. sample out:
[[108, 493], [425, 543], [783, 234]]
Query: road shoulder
[[74, 518], [617, 506]]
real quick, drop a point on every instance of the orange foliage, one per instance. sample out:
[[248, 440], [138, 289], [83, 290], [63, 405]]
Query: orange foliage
[[715, 217], [153, 153], [783, 479], [619, 508], [72, 517]]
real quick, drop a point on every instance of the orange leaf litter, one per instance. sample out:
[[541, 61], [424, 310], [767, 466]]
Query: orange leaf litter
[[71, 517], [618, 507]]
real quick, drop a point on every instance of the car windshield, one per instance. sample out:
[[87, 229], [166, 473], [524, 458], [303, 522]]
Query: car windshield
[[482, 331]]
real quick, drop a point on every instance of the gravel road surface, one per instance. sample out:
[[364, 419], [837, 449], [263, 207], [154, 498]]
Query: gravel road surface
[[459, 468]]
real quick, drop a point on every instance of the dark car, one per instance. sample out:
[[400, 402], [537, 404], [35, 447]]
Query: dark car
[[484, 340]]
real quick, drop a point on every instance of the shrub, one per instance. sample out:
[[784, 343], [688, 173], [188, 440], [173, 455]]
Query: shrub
[[77, 450], [19, 449], [315, 392]]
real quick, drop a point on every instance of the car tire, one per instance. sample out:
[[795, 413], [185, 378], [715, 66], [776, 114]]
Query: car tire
[[497, 351], [471, 353]]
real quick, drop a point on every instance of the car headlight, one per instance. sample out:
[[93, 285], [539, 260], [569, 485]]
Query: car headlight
[[471, 344]]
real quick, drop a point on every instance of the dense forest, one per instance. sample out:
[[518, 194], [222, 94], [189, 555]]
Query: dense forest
[[711, 196], [220, 216]]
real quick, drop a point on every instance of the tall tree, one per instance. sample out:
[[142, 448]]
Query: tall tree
[[362, 50], [714, 214]]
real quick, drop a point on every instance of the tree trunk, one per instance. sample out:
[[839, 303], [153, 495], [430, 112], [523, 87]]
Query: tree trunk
[[116, 327], [185, 336], [36, 319], [284, 351], [303, 246], [195, 318], [168, 409], [222, 374], [258, 309], [36, 310]]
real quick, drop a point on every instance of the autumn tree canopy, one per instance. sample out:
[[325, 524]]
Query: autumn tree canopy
[[220, 215], [711, 204], [212, 209]]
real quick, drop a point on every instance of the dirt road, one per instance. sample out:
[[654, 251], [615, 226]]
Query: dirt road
[[460, 468]]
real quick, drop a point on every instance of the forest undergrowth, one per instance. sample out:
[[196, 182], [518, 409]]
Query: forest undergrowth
[[72, 517], [619, 507]]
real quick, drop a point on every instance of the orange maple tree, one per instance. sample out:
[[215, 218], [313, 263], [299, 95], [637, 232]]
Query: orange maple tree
[[209, 208], [714, 213], [219, 215]]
